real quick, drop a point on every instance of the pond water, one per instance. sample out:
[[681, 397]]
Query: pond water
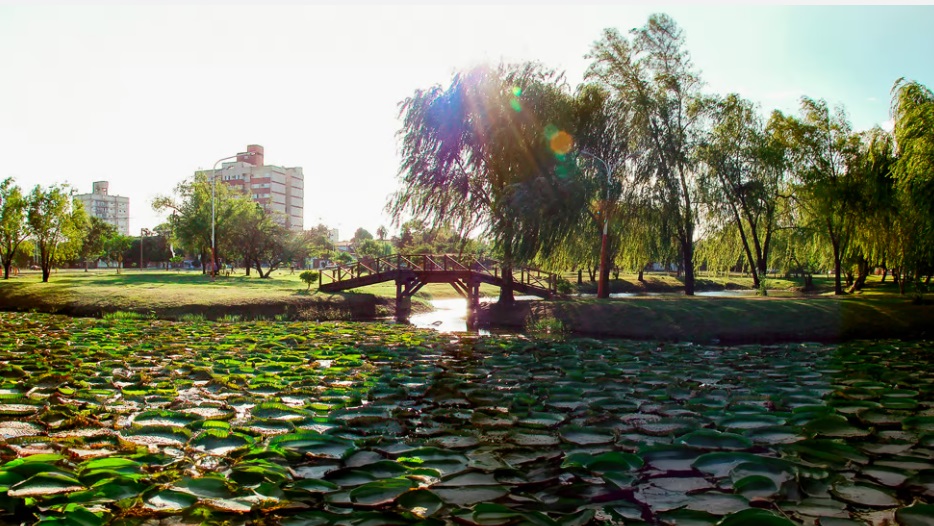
[[450, 315], [333, 424]]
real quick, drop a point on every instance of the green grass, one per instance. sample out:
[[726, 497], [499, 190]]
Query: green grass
[[877, 311]]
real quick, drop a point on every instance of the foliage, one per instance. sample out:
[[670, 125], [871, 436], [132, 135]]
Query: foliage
[[13, 225], [652, 79], [95, 240], [487, 153], [309, 277], [743, 180], [913, 114], [56, 222], [294, 423], [191, 218]]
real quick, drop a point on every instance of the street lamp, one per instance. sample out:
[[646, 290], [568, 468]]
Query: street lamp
[[213, 186], [603, 289]]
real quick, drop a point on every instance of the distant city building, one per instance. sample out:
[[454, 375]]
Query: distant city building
[[114, 209], [278, 189]]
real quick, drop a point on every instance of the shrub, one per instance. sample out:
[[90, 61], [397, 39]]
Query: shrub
[[309, 277]]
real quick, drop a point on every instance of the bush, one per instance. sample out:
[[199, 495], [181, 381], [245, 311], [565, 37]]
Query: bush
[[309, 277]]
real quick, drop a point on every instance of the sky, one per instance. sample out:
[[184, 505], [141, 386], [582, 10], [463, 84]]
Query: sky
[[142, 94]]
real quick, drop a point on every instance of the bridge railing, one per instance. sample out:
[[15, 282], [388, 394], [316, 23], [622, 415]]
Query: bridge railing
[[435, 262]]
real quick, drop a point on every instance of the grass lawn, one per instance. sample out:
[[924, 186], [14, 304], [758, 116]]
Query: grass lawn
[[878, 311]]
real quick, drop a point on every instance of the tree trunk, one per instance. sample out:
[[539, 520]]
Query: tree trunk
[[6, 268], [592, 272], [580, 276], [506, 296], [687, 249], [885, 272], [837, 270], [46, 270], [862, 269], [641, 277]]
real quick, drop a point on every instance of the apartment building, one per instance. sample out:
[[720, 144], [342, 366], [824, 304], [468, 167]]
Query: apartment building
[[114, 209], [279, 189]]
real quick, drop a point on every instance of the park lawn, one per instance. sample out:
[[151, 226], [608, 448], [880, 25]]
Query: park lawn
[[667, 282], [876, 312]]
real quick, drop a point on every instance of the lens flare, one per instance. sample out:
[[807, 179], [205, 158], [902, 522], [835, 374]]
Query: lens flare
[[517, 91], [550, 131], [561, 142], [515, 104]]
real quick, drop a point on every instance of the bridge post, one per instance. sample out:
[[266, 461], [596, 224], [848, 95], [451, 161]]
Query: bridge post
[[403, 303]]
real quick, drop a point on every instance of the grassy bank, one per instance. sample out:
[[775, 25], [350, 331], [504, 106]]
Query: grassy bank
[[785, 315], [876, 312]]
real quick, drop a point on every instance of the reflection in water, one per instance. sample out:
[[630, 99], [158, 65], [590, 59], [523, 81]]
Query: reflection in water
[[450, 315]]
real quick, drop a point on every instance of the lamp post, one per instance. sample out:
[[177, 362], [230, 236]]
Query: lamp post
[[213, 186], [603, 289], [142, 236]]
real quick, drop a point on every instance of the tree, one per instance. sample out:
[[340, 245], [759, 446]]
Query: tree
[[913, 113], [191, 207], [13, 225], [653, 80], [55, 222], [261, 239], [480, 154], [823, 149], [317, 240], [361, 235], [604, 190], [381, 233], [94, 240], [743, 179], [116, 247]]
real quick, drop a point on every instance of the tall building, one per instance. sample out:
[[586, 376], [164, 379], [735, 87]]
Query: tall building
[[114, 209], [278, 189]]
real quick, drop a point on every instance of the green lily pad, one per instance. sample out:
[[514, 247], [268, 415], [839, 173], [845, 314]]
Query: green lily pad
[[169, 501], [420, 502], [754, 517], [917, 515], [44, 484], [381, 492], [864, 494], [470, 495], [313, 444], [711, 439]]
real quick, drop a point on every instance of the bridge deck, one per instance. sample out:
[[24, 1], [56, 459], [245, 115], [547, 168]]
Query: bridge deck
[[459, 271]]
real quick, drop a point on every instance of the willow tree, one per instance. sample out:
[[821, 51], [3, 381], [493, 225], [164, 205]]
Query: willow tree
[[743, 179], [913, 113], [823, 149], [489, 152], [877, 238], [653, 80]]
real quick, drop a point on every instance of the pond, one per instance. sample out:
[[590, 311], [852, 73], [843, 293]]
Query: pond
[[301, 423]]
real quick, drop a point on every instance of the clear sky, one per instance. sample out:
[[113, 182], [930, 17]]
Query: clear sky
[[142, 95]]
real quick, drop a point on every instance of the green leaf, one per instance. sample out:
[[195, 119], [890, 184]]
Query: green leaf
[[44, 484], [381, 492], [754, 517], [917, 515]]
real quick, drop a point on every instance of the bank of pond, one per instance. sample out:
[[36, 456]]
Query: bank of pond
[[128, 421]]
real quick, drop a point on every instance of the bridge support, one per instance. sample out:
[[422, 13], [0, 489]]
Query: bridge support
[[406, 287]]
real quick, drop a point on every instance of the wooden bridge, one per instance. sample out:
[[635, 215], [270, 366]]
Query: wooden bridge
[[412, 272]]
